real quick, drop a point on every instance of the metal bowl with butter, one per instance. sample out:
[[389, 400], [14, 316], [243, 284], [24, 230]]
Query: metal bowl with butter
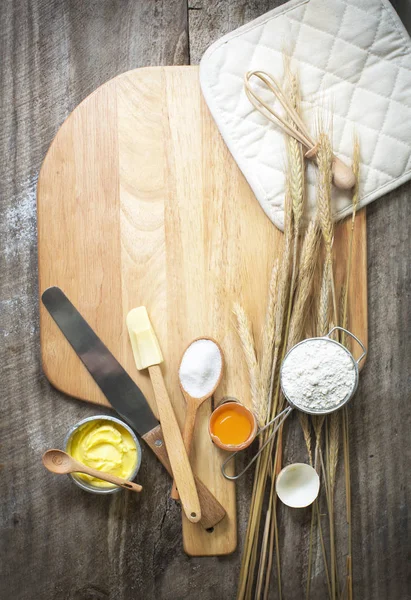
[[107, 444]]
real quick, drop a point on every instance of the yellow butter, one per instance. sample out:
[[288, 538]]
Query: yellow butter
[[144, 343], [106, 446]]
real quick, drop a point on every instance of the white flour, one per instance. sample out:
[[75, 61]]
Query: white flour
[[200, 368], [318, 375]]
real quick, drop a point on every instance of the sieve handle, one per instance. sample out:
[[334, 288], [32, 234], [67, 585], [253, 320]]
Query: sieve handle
[[364, 349], [280, 418]]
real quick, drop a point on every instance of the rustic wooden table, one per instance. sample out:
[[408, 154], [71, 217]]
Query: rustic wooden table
[[57, 542]]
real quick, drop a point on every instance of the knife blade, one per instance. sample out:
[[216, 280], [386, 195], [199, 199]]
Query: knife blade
[[115, 383], [120, 390]]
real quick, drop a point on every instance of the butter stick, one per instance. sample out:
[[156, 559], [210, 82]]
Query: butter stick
[[146, 349]]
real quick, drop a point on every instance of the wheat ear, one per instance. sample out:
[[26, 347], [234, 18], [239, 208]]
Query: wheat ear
[[305, 426], [333, 446], [308, 260], [267, 347], [325, 160], [295, 171], [295, 183], [245, 333], [323, 313]]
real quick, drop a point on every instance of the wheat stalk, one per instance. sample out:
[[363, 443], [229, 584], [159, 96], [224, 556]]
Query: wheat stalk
[[343, 321], [248, 558], [305, 426], [295, 171], [270, 533], [287, 318], [345, 420], [356, 170], [309, 257], [325, 159], [262, 470], [281, 331], [267, 348], [323, 314], [295, 184], [282, 321], [346, 450], [284, 293], [244, 331], [317, 422], [322, 326], [334, 446], [294, 203]]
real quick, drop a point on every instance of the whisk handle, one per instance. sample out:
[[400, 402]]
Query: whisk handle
[[343, 175], [280, 418]]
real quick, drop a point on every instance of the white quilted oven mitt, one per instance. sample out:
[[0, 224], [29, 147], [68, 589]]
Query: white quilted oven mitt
[[351, 55]]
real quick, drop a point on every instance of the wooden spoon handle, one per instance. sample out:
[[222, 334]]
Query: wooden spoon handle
[[189, 423], [127, 485], [212, 512], [177, 454]]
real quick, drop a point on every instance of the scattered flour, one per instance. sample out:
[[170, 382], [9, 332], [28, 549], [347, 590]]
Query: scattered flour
[[318, 375], [200, 368]]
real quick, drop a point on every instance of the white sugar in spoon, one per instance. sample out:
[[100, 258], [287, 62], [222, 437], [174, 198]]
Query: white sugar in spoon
[[200, 373]]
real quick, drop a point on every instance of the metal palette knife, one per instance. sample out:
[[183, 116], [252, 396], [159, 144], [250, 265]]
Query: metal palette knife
[[120, 390]]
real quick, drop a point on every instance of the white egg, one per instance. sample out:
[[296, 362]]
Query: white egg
[[297, 485]]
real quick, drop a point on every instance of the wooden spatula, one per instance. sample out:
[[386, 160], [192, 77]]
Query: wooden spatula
[[147, 354]]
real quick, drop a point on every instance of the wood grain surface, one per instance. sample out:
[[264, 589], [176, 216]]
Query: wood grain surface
[[181, 234], [54, 53]]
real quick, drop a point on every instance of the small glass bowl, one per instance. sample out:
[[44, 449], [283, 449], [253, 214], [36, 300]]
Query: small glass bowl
[[84, 485], [235, 404], [297, 485]]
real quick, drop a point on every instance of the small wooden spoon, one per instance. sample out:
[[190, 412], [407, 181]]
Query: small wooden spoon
[[193, 404], [61, 463]]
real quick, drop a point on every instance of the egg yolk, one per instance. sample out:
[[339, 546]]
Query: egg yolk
[[232, 427]]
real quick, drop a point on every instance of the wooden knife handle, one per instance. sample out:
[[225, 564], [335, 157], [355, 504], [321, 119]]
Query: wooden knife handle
[[180, 463], [188, 431], [211, 510]]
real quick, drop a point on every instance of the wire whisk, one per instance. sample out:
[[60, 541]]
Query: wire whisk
[[343, 175]]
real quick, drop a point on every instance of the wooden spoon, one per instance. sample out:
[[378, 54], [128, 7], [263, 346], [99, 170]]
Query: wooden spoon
[[61, 463], [193, 404]]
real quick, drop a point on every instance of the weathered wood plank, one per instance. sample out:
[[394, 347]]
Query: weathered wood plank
[[380, 416], [55, 541], [58, 542], [208, 21]]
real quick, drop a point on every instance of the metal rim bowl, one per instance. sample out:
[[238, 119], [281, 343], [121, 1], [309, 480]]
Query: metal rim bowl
[[82, 483], [283, 415], [343, 402]]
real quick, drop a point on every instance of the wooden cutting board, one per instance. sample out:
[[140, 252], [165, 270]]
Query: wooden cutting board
[[141, 203]]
